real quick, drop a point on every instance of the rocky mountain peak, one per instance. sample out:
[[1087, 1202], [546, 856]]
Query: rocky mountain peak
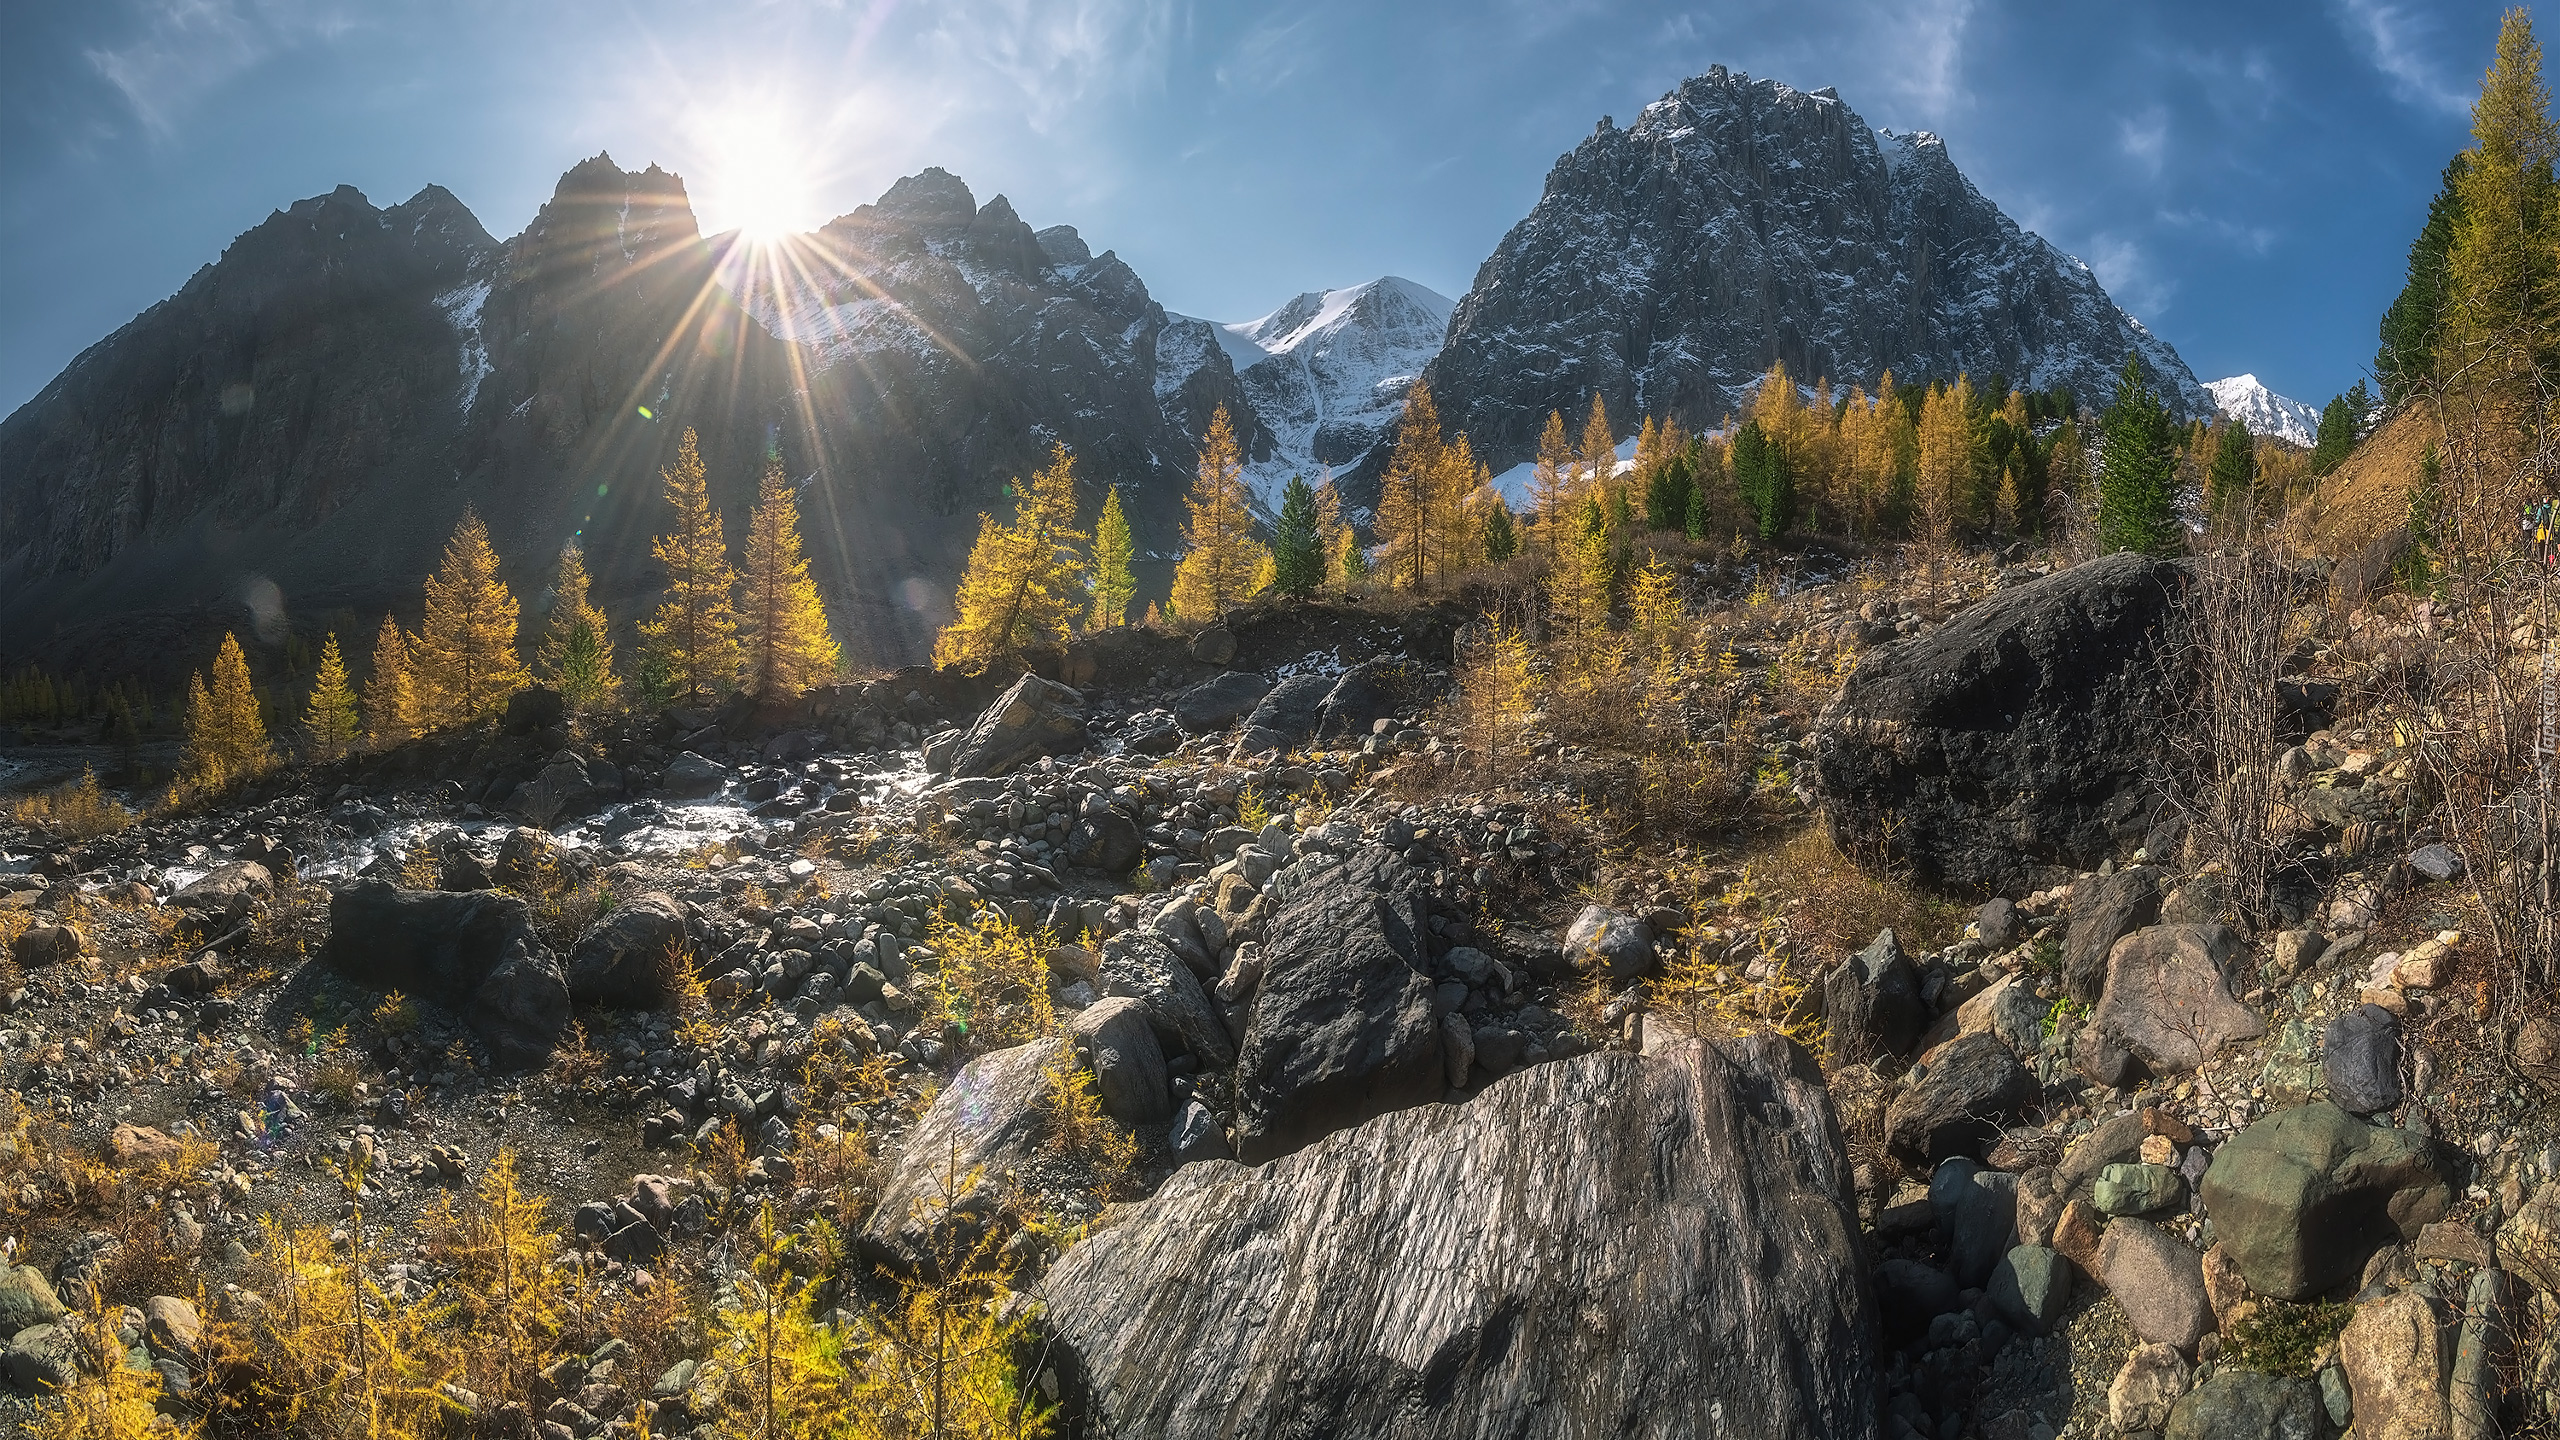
[[929, 195], [1741, 221]]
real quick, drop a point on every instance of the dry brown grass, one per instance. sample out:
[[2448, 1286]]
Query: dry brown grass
[[2365, 500], [1834, 906]]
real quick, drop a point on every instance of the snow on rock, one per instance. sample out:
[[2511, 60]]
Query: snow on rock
[[2264, 411], [1328, 371]]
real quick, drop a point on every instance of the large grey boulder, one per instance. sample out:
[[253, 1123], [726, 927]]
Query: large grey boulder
[[26, 1300], [1287, 716], [1343, 1026], [955, 1174], [1108, 842], [1218, 702], [1128, 1064], [2240, 1404], [1365, 694], [690, 776], [1613, 1244], [2303, 1198], [2158, 1280], [1871, 1004], [1032, 718], [1972, 1088], [2168, 997], [623, 960], [2103, 911], [2360, 1060], [473, 951], [2016, 741], [1609, 943], [1141, 965]]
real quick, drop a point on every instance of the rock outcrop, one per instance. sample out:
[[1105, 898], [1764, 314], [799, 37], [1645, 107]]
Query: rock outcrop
[[2014, 742], [1346, 1024], [473, 951], [1612, 1244]]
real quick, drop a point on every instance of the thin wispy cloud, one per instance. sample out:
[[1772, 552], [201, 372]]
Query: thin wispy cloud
[[1056, 55], [2126, 268], [2397, 38], [2144, 138], [185, 49]]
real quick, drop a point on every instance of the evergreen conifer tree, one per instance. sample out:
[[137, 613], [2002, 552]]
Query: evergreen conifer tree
[[2335, 437], [2232, 481], [2410, 327], [1297, 554], [1761, 475], [576, 655], [330, 716], [2137, 469], [390, 694], [1221, 563], [1501, 536], [784, 644], [1667, 493], [465, 655], [1112, 586], [693, 639]]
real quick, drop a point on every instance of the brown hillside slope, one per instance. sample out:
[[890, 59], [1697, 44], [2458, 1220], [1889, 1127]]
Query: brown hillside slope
[[2362, 505]]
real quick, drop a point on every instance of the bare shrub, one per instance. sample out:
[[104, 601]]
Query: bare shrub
[[2234, 622]]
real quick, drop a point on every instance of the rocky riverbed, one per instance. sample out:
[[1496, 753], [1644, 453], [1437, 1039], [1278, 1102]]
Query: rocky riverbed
[[1413, 1120]]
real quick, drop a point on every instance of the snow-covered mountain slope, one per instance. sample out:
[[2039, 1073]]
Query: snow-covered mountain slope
[[2264, 411], [1327, 373], [1740, 221]]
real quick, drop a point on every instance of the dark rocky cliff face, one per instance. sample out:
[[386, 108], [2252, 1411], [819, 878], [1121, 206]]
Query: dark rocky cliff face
[[286, 442], [1739, 222]]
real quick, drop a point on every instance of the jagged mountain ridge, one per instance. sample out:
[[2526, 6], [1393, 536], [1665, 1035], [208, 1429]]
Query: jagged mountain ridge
[[1327, 373], [991, 341], [304, 421], [2245, 399], [1740, 221]]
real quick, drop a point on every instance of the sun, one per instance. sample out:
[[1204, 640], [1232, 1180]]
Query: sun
[[757, 181]]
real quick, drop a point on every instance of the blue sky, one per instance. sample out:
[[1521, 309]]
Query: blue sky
[[2244, 176]]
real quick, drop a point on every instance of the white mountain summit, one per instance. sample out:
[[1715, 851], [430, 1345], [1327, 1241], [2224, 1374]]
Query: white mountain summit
[[1328, 372], [2264, 411]]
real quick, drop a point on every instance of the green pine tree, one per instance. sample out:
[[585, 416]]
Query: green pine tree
[[2137, 469], [1501, 535], [1761, 474], [2336, 436], [1297, 544], [2233, 477]]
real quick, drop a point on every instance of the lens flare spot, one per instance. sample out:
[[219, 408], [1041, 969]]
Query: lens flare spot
[[644, 412]]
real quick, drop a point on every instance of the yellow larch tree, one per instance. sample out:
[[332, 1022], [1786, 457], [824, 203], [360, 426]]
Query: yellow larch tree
[[390, 693], [511, 1293], [1221, 561], [576, 655], [693, 639], [1418, 497], [1947, 453], [1599, 453], [465, 656], [1551, 488], [1330, 526], [1020, 587], [782, 623], [330, 715], [1111, 585], [226, 736]]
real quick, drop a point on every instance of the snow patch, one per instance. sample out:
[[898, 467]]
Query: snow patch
[[462, 306], [2264, 411]]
